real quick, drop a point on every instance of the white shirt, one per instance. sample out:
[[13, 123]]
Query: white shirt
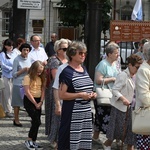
[[38, 54], [17, 51], [59, 70]]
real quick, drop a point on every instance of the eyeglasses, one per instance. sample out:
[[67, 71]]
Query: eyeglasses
[[36, 40], [64, 49], [81, 53]]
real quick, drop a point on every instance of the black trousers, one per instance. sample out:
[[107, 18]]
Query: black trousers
[[35, 115]]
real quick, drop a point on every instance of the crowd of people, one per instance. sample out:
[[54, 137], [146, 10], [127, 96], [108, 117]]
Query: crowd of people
[[56, 74]]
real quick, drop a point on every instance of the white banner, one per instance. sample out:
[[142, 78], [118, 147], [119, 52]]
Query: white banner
[[29, 4]]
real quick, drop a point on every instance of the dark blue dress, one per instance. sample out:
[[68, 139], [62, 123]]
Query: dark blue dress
[[76, 120]]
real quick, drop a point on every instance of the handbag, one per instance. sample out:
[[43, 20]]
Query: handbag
[[2, 113], [141, 121], [103, 95], [2, 86], [22, 92]]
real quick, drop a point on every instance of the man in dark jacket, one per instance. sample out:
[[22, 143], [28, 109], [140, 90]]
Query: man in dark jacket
[[50, 45]]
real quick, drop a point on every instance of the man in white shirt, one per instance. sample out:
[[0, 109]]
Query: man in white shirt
[[37, 52]]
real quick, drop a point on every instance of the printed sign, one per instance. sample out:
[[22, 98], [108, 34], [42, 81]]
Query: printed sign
[[127, 31], [29, 4]]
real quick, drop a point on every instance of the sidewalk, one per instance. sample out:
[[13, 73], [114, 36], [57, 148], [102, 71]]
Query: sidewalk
[[12, 138]]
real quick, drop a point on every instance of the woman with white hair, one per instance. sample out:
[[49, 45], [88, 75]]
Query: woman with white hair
[[143, 93], [51, 119]]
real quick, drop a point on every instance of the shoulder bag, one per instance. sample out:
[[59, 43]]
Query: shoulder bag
[[141, 121], [103, 95]]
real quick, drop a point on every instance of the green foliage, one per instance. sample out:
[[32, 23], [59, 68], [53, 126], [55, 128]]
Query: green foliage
[[106, 15], [73, 12]]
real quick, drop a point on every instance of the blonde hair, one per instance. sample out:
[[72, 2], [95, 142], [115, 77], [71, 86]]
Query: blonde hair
[[59, 42], [33, 71]]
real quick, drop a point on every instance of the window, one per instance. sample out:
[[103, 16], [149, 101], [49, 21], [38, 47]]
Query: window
[[5, 23]]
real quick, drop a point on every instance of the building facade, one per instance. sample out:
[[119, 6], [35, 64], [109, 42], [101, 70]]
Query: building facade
[[46, 20]]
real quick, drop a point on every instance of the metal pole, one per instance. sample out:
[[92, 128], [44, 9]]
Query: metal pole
[[27, 25], [49, 23], [114, 11], [93, 36], [120, 10]]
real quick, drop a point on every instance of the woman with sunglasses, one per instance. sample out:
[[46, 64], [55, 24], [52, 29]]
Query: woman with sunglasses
[[76, 91], [52, 120]]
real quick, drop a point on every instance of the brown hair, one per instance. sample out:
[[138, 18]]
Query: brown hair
[[134, 59], [19, 41], [73, 47]]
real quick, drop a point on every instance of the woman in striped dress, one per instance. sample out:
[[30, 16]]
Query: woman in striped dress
[[76, 91]]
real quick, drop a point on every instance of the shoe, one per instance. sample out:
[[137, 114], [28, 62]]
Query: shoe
[[37, 147], [106, 147], [29, 145], [16, 124], [9, 115], [97, 141], [118, 143]]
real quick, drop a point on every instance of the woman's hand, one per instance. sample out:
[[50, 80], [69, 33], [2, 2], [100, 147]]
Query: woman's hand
[[58, 109], [38, 105], [87, 96], [113, 79], [126, 102], [26, 69], [93, 95]]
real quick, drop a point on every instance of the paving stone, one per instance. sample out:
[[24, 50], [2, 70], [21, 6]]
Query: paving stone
[[12, 138]]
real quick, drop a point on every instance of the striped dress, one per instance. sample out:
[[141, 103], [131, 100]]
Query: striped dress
[[76, 120]]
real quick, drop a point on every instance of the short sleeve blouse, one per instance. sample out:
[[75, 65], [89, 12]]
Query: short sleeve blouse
[[35, 87]]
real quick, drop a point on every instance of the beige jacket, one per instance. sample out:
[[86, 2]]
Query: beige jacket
[[123, 86], [143, 85]]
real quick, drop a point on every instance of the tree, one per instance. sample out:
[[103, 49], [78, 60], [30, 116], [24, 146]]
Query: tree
[[73, 13], [94, 16]]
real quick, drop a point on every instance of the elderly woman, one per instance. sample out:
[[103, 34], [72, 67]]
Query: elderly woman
[[105, 71], [51, 119], [143, 93], [123, 92], [76, 91], [21, 65]]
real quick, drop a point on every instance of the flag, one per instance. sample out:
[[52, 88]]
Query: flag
[[137, 13]]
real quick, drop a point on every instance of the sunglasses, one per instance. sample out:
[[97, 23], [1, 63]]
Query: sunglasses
[[81, 53], [64, 49]]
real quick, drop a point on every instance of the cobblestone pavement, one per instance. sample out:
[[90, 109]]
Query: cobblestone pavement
[[12, 138]]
